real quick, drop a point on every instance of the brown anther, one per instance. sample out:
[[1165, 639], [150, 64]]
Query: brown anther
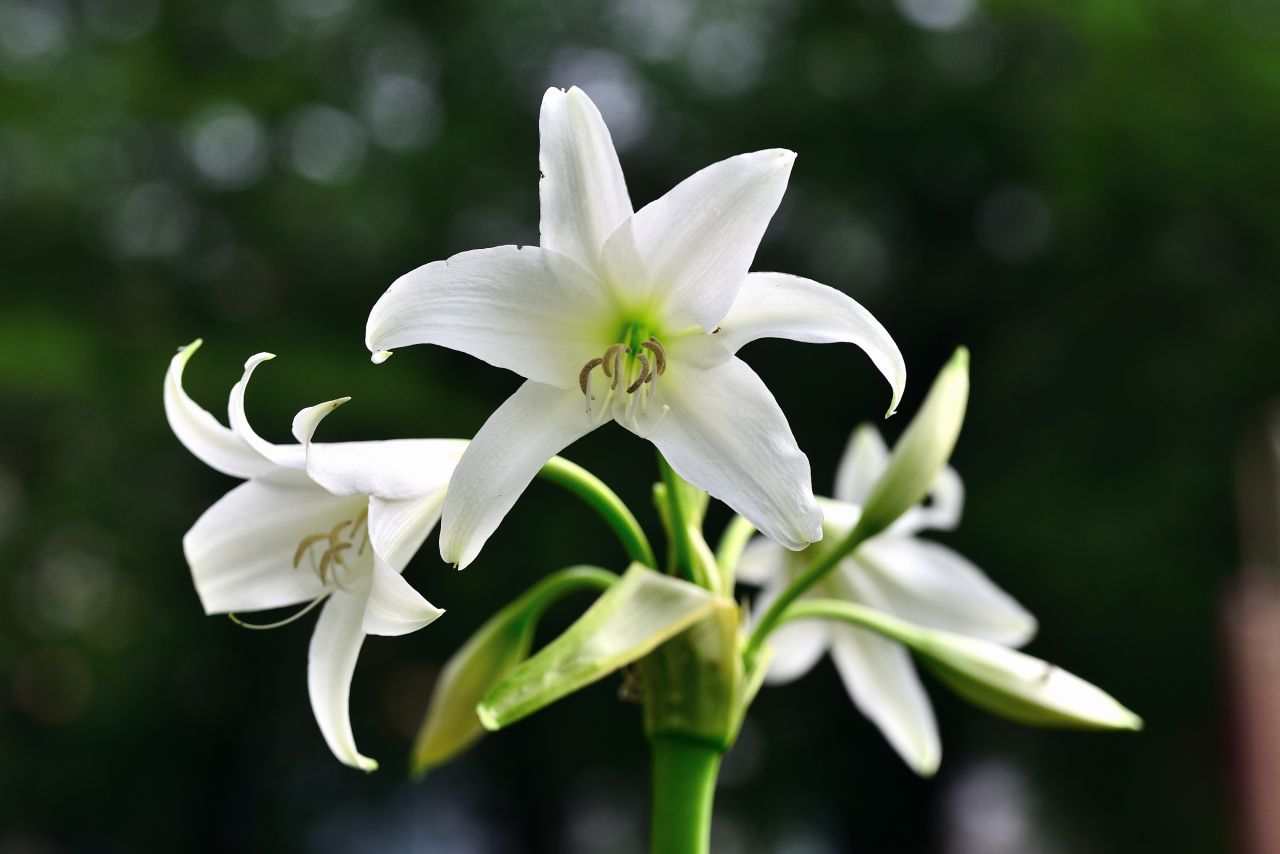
[[337, 529], [612, 354], [307, 543], [586, 372], [644, 373], [659, 354]]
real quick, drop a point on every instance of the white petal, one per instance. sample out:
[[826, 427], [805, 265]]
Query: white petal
[[762, 561], [394, 607], [335, 646], [775, 305], [691, 249], [882, 681], [394, 469], [725, 434], [213, 444], [946, 501], [864, 460], [584, 196], [929, 584], [531, 427], [286, 456], [241, 550], [398, 527], [535, 312]]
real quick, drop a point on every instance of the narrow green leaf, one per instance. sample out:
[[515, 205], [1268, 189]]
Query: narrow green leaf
[[922, 451], [450, 725], [643, 609]]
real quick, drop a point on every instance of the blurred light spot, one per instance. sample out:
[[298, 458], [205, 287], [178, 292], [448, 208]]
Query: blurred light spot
[[402, 113], [71, 587], [989, 809], [121, 20], [655, 29], [969, 56], [725, 57], [936, 14], [52, 686], [33, 29], [805, 840], [149, 221], [850, 255], [318, 17], [418, 818], [326, 145], [227, 145], [614, 87], [1014, 224], [599, 808], [399, 50]]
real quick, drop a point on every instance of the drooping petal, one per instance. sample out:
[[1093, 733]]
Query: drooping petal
[[864, 460], [242, 550], [331, 662], [397, 527], [530, 310], [883, 683], [762, 561], [394, 469], [531, 427], [725, 434], [691, 249], [213, 444], [584, 196], [284, 456], [775, 305], [931, 585], [394, 607]]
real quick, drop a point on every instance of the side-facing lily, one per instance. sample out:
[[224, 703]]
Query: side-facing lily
[[331, 523], [895, 572], [633, 317]]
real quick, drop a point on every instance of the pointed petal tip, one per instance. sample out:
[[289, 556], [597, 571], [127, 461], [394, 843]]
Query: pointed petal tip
[[192, 347], [961, 357], [258, 359], [380, 356]]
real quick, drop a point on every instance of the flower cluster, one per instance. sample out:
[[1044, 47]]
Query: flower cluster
[[634, 317]]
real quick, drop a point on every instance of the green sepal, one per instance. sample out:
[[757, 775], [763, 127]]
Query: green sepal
[[450, 725], [921, 452], [639, 612]]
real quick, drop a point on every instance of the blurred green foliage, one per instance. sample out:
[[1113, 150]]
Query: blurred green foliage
[[1084, 194]]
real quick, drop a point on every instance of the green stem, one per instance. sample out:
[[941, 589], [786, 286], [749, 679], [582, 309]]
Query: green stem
[[687, 560], [604, 501], [684, 786], [818, 570], [732, 543]]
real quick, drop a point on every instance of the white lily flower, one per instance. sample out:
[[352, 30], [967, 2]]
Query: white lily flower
[[631, 317], [897, 573], [313, 523]]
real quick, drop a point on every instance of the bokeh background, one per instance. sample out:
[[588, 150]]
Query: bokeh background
[[1086, 194]]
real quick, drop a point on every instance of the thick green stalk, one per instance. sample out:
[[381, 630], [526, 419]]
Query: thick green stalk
[[689, 547], [684, 786], [604, 501]]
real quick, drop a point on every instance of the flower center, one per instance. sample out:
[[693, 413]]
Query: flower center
[[328, 552], [629, 370]]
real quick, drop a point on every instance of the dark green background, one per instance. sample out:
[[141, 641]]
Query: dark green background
[[1083, 193]]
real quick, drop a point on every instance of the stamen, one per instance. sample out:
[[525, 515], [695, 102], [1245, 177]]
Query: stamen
[[305, 545], [331, 556], [337, 529], [659, 353], [586, 372], [644, 373], [286, 621]]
